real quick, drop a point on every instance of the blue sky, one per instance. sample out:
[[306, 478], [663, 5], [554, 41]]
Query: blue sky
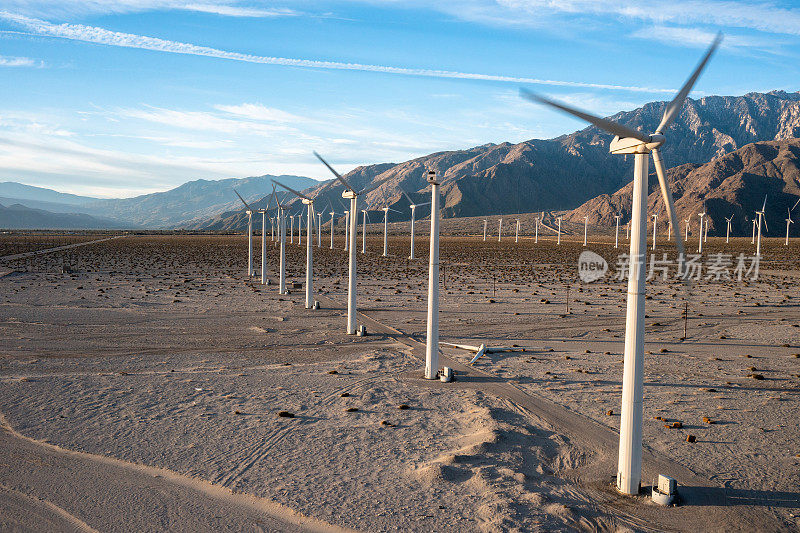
[[120, 98]]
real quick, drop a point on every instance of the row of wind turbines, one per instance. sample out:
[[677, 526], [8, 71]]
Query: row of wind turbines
[[626, 141]]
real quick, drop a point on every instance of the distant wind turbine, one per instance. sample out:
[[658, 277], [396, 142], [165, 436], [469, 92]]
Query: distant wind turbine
[[516, 234], [789, 220], [761, 216], [700, 241], [585, 228], [558, 241], [485, 223], [500, 230], [414, 207], [352, 194], [249, 212], [616, 233], [728, 221]]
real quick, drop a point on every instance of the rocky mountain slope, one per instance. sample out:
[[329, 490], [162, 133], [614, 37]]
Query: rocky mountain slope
[[734, 184], [563, 173]]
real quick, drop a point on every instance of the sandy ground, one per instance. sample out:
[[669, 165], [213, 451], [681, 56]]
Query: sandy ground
[[154, 350]]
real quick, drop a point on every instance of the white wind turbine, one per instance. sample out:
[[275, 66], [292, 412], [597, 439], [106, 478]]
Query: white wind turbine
[[346, 230], [536, 239], [761, 217], [616, 233], [332, 213], [319, 229], [264, 241], [686, 228], [753, 238], [414, 207], [728, 221], [700, 241], [249, 212], [630, 141], [291, 229], [485, 224], [282, 238], [300, 228], [309, 202], [789, 220], [705, 233], [585, 228], [655, 229], [432, 331], [516, 234], [364, 219], [386, 210], [352, 194], [500, 230], [558, 241]]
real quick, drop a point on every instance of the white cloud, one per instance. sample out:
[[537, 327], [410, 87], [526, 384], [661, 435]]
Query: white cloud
[[6, 61], [67, 8], [98, 35], [259, 112]]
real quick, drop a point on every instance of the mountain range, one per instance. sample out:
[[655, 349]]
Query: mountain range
[[574, 174], [194, 200], [563, 173]]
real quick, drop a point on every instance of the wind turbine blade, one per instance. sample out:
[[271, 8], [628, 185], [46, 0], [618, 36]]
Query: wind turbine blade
[[602, 123], [426, 203], [242, 199], [766, 226], [296, 193], [671, 112], [394, 210], [338, 176], [411, 202], [666, 194], [763, 207], [375, 185], [795, 204]]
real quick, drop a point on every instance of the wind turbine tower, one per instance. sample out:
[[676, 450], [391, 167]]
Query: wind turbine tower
[[585, 228], [432, 341], [616, 233]]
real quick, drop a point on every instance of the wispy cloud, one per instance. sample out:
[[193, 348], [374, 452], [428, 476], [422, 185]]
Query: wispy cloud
[[260, 112], [762, 16], [66, 8], [93, 34], [6, 61]]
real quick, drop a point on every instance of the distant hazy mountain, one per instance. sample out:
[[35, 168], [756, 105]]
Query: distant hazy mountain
[[734, 184], [10, 189], [565, 172], [18, 216], [200, 199]]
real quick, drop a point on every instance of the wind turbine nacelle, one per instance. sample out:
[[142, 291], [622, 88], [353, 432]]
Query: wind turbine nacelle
[[630, 145], [307, 201], [348, 194]]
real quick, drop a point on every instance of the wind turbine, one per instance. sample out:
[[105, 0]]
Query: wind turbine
[[630, 141], [516, 234], [559, 231], [309, 202], [585, 228], [686, 228], [282, 238], [789, 220], [364, 218], [655, 229], [728, 231], [537, 231], [413, 207], [346, 230], [332, 214], [352, 194], [300, 228], [761, 217], [753, 238], [616, 233], [485, 223], [705, 233], [291, 229], [700, 242], [386, 210], [319, 229], [500, 230], [432, 332], [249, 212], [264, 241]]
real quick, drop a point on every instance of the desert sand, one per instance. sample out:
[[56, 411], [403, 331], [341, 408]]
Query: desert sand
[[141, 381]]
